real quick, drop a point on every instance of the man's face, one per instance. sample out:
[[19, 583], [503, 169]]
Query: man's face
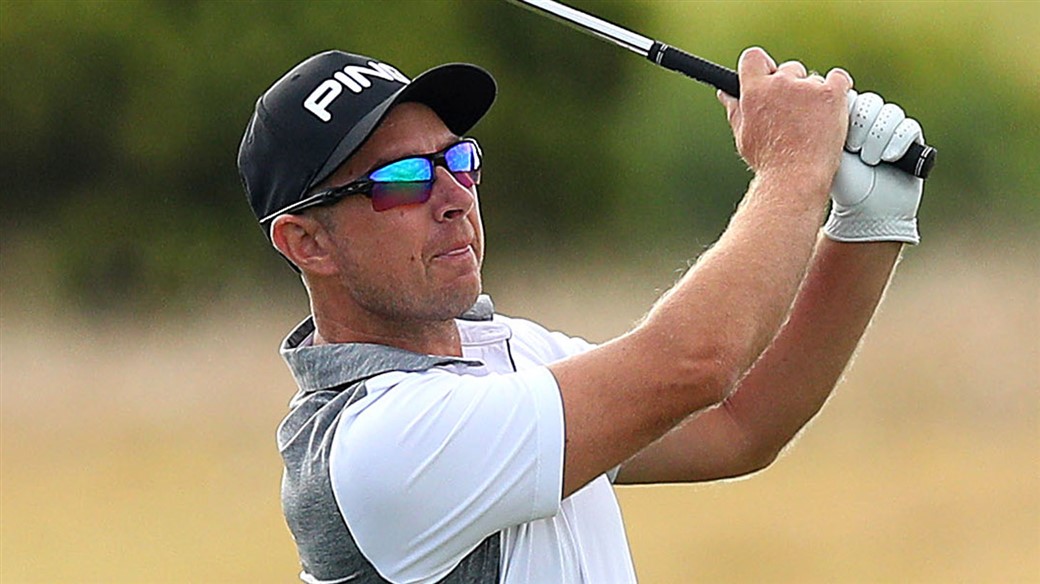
[[410, 263]]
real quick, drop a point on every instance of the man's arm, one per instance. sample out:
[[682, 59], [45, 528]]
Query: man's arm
[[874, 212], [702, 336], [789, 383]]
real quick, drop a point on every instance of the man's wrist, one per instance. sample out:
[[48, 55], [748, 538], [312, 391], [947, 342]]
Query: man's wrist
[[786, 190], [805, 178]]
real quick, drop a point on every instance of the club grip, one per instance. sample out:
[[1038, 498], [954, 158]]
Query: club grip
[[918, 160], [695, 67]]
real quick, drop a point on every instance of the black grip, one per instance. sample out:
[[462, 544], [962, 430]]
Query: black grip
[[918, 160], [695, 67]]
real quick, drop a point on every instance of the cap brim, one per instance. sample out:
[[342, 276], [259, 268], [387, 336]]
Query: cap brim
[[459, 93]]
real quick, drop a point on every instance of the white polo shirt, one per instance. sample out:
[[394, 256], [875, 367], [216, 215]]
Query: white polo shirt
[[428, 463]]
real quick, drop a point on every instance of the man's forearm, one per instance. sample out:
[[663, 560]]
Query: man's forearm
[[740, 291], [791, 381], [796, 374], [695, 343]]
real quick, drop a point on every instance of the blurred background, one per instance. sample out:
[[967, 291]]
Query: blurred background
[[141, 307]]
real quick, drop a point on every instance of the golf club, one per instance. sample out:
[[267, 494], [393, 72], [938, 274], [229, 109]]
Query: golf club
[[918, 160]]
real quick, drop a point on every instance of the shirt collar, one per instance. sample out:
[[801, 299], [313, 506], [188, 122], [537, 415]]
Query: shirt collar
[[328, 366]]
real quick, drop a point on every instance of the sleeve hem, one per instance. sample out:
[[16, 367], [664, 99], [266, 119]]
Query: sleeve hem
[[549, 405]]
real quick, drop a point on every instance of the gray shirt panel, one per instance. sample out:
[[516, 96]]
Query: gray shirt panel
[[331, 377]]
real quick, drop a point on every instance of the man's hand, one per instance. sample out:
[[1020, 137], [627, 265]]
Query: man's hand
[[788, 123], [873, 201]]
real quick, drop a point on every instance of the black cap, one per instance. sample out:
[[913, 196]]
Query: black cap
[[320, 112]]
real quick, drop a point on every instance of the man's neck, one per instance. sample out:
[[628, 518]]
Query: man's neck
[[425, 337]]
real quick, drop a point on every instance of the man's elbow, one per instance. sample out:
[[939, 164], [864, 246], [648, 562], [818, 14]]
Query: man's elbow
[[762, 450], [759, 459], [752, 449], [743, 462]]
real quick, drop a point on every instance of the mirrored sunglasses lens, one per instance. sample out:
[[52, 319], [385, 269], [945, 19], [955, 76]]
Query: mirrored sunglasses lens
[[462, 157], [407, 170], [390, 195]]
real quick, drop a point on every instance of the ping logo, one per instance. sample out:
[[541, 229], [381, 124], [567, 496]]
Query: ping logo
[[354, 78]]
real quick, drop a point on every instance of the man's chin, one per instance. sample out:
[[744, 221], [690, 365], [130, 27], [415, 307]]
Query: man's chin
[[458, 301]]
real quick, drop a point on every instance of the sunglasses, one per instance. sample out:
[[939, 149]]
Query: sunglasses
[[407, 181]]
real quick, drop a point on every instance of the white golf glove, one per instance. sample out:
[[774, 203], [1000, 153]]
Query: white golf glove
[[872, 201]]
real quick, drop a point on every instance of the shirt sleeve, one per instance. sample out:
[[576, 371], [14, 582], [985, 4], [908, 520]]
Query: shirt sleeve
[[436, 462]]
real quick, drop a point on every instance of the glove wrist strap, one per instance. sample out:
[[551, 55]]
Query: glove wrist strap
[[867, 230]]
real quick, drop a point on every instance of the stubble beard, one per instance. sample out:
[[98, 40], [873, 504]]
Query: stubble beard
[[398, 304]]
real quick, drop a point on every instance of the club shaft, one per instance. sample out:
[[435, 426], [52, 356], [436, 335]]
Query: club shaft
[[590, 24], [918, 160]]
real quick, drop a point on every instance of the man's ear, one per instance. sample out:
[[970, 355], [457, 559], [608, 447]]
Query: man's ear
[[305, 242]]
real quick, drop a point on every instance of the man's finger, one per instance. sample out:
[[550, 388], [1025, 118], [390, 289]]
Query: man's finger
[[861, 118], [907, 132], [732, 104], [755, 62], [726, 99], [881, 131], [841, 79], [794, 68]]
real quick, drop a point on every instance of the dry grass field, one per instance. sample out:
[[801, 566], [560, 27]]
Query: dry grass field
[[143, 450]]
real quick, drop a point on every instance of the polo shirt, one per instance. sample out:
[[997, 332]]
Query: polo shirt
[[402, 467]]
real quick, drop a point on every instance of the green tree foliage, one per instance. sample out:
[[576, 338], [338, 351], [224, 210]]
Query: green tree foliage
[[121, 120]]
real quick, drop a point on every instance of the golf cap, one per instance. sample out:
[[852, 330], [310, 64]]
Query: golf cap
[[320, 112]]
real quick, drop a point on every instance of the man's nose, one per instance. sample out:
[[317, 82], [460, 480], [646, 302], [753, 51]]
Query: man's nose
[[451, 200]]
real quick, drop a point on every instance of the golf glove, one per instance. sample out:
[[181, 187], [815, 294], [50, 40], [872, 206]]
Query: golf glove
[[871, 201]]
